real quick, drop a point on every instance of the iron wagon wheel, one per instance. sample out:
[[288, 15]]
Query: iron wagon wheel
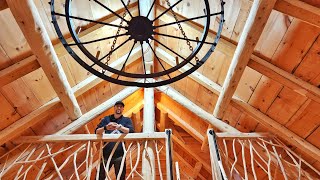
[[140, 29]]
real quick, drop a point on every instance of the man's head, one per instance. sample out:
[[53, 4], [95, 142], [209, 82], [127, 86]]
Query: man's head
[[118, 107]]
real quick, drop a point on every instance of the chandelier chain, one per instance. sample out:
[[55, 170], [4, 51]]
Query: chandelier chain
[[182, 31]]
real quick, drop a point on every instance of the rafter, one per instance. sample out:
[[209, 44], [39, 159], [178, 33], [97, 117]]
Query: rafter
[[300, 10], [38, 39], [259, 14]]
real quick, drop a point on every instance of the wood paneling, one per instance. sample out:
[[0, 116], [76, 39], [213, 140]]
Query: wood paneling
[[264, 94], [295, 45], [285, 105]]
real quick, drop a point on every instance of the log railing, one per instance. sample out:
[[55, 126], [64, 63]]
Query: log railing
[[255, 156], [79, 156]]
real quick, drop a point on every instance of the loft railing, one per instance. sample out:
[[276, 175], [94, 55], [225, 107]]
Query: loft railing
[[255, 156], [79, 156]]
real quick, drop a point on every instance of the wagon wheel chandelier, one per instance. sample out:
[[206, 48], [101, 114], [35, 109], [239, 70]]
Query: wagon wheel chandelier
[[136, 33]]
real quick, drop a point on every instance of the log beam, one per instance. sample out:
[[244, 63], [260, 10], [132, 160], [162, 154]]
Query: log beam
[[29, 21], [91, 137], [259, 14], [300, 10]]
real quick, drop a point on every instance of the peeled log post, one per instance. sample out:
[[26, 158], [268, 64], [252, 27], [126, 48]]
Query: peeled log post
[[29, 21], [259, 14]]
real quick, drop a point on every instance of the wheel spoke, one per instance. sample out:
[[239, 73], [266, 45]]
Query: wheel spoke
[[114, 49], [139, 7], [144, 63], [125, 62], [173, 51], [98, 2], [154, 1], [158, 59], [167, 10], [190, 19], [89, 20], [186, 39], [124, 5], [101, 39]]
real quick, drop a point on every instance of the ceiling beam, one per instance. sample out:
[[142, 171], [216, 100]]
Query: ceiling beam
[[209, 118], [30, 23], [300, 10], [258, 17], [18, 70], [3, 5], [29, 120]]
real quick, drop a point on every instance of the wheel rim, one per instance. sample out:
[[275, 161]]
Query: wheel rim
[[137, 35]]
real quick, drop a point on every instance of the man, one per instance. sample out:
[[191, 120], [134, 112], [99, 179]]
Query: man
[[112, 124]]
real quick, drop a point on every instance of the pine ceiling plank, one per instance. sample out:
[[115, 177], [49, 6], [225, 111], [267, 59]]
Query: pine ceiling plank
[[285, 105], [242, 17], [32, 27], [276, 27], [13, 41], [265, 93], [295, 45], [307, 121], [4, 59], [258, 17], [248, 83], [8, 114], [39, 84], [231, 13], [21, 97], [300, 10], [18, 70], [310, 65], [246, 124]]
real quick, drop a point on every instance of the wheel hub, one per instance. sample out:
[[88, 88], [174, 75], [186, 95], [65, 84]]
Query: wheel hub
[[140, 28]]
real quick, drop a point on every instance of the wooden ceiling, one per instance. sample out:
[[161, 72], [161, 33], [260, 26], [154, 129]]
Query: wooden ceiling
[[278, 91]]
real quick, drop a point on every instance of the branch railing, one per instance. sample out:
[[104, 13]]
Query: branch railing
[[80, 156], [255, 156]]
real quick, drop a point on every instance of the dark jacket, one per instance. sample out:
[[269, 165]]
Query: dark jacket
[[124, 121]]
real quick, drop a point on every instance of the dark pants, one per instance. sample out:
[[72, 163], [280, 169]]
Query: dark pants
[[116, 162]]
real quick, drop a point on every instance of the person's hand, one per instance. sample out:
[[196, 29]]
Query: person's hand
[[118, 126], [111, 126]]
